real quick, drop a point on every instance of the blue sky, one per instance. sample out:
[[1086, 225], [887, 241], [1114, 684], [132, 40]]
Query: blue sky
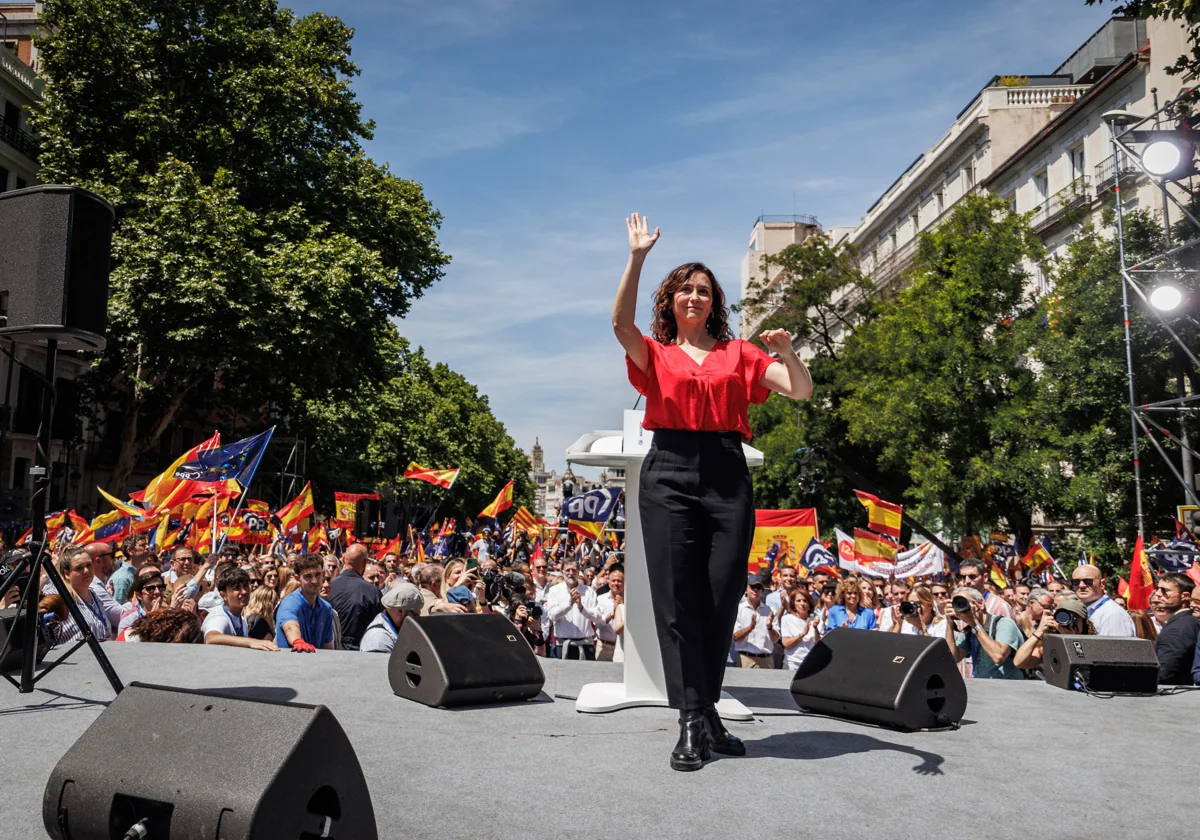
[[537, 126]]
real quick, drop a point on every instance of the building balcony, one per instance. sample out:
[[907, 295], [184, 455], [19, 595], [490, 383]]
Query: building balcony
[[20, 73], [1106, 173], [22, 141], [1053, 210]]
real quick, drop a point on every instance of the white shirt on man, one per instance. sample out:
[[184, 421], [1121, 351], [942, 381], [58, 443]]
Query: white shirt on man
[[221, 621], [568, 620], [604, 629], [1109, 619], [758, 640]]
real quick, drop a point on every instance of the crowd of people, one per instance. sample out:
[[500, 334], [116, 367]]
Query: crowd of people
[[568, 602]]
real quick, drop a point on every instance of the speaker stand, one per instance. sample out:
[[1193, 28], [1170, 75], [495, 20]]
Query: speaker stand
[[598, 698], [41, 557]]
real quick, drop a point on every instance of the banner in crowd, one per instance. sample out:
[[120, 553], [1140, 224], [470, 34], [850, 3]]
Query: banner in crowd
[[925, 559], [788, 531], [587, 514]]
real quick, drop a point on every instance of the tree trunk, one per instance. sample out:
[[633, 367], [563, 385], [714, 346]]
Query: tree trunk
[[132, 448]]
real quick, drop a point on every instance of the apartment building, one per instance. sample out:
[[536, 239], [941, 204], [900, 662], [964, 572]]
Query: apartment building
[[1066, 172], [771, 235], [20, 87]]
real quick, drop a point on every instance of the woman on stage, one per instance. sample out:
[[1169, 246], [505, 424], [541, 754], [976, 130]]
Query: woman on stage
[[697, 503]]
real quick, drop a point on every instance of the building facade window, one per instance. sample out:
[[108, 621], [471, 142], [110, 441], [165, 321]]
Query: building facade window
[[940, 198], [1078, 162]]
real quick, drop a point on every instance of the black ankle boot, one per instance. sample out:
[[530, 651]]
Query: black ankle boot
[[692, 749], [718, 736]]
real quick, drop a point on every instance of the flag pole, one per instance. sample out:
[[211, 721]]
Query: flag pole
[[241, 498]]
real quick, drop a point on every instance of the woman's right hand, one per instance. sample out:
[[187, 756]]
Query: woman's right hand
[[640, 238]]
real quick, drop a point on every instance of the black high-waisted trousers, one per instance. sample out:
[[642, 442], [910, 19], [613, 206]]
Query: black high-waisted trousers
[[697, 509]]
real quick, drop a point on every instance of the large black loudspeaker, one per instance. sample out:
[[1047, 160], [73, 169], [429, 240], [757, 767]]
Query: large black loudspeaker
[[54, 262], [366, 514], [200, 765], [455, 660], [10, 627], [1100, 663], [905, 682]]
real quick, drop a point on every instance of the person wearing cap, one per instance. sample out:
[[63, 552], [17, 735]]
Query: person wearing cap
[[1029, 655], [224, 624], [754, 633], [400, 601]]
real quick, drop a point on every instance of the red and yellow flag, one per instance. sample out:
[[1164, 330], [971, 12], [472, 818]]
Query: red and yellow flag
[[1037, 558], [527, 522], [345, 505], [296, 510], [392, 547], [165, 491], [1141, 582], [882, 517], [502, 502], [871, 548], [442, 478]]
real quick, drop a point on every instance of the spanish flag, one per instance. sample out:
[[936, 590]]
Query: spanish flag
[[1141, 582], [392, 547], [345, 505], [442, 478], [871, 548], [502, 503], [289, 515], [882, 517], [1037, 558]]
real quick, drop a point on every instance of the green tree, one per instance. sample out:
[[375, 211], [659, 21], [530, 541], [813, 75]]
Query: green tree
[[938, 381], [817, 292], [258, 253]]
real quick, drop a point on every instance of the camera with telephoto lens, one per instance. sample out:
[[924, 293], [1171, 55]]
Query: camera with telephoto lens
[[10, 561], [1064, 618], [961, 603], [908, 608], [497, 586], [520, 599]]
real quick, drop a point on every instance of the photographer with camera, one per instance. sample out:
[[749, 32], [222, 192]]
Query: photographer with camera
[[1069, 617], [990, 640], [917, 614], [526, 616]]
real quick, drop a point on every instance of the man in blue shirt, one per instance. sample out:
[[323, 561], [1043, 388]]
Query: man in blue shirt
[[990, 640], [304, 620]]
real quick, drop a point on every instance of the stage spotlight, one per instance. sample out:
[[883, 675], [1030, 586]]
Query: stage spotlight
[[1162, 157], [1166, 298]]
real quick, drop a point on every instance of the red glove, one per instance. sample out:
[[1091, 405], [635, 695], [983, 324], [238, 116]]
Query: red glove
[[301, 646]]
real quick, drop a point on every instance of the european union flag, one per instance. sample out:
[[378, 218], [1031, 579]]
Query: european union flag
[[237, 461]]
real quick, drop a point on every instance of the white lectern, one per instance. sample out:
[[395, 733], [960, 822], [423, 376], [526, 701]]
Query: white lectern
[[644, 683]]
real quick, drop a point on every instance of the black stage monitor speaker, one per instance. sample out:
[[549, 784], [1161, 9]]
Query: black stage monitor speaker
[[366, 515], [455, 660], [905, 682], [16, 629], [55, 251], [1100, 663], [203, 765]]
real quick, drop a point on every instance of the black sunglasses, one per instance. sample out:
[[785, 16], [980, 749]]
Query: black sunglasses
[[1075, 584], [756, 586]]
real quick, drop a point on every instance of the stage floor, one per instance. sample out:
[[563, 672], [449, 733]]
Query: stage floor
[[1029, 760]]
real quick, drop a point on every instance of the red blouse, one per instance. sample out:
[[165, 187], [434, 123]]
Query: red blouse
[[712, 396]]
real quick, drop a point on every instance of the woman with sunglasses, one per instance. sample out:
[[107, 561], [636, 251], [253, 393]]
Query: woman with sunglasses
[[697, 501], [147, 596]]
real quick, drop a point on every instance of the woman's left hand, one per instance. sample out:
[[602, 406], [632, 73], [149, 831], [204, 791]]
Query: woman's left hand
[[777, 341]]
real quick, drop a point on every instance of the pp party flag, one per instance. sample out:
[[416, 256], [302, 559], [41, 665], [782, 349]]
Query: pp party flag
[[345, 506], [1037, 558], [872, 548], [1141, 582], [165, 491], [442, 478], [236, 461], [588, 513], [289, 516], [526, 521], [816, 554], [783, 527], [502, 502], [882, 517], [256, 520]]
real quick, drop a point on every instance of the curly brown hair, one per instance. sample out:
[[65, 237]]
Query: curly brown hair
[[663, 326], [167, 625]]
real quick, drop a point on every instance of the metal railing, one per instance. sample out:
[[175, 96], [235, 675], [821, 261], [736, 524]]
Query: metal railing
[[1106, 172], [1075, 194], [800, 220], [22, 141]]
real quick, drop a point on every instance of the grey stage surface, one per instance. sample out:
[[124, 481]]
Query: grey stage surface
[[1030, 760]]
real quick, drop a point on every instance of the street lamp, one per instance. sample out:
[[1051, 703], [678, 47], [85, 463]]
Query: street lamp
[[1166, 298]]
